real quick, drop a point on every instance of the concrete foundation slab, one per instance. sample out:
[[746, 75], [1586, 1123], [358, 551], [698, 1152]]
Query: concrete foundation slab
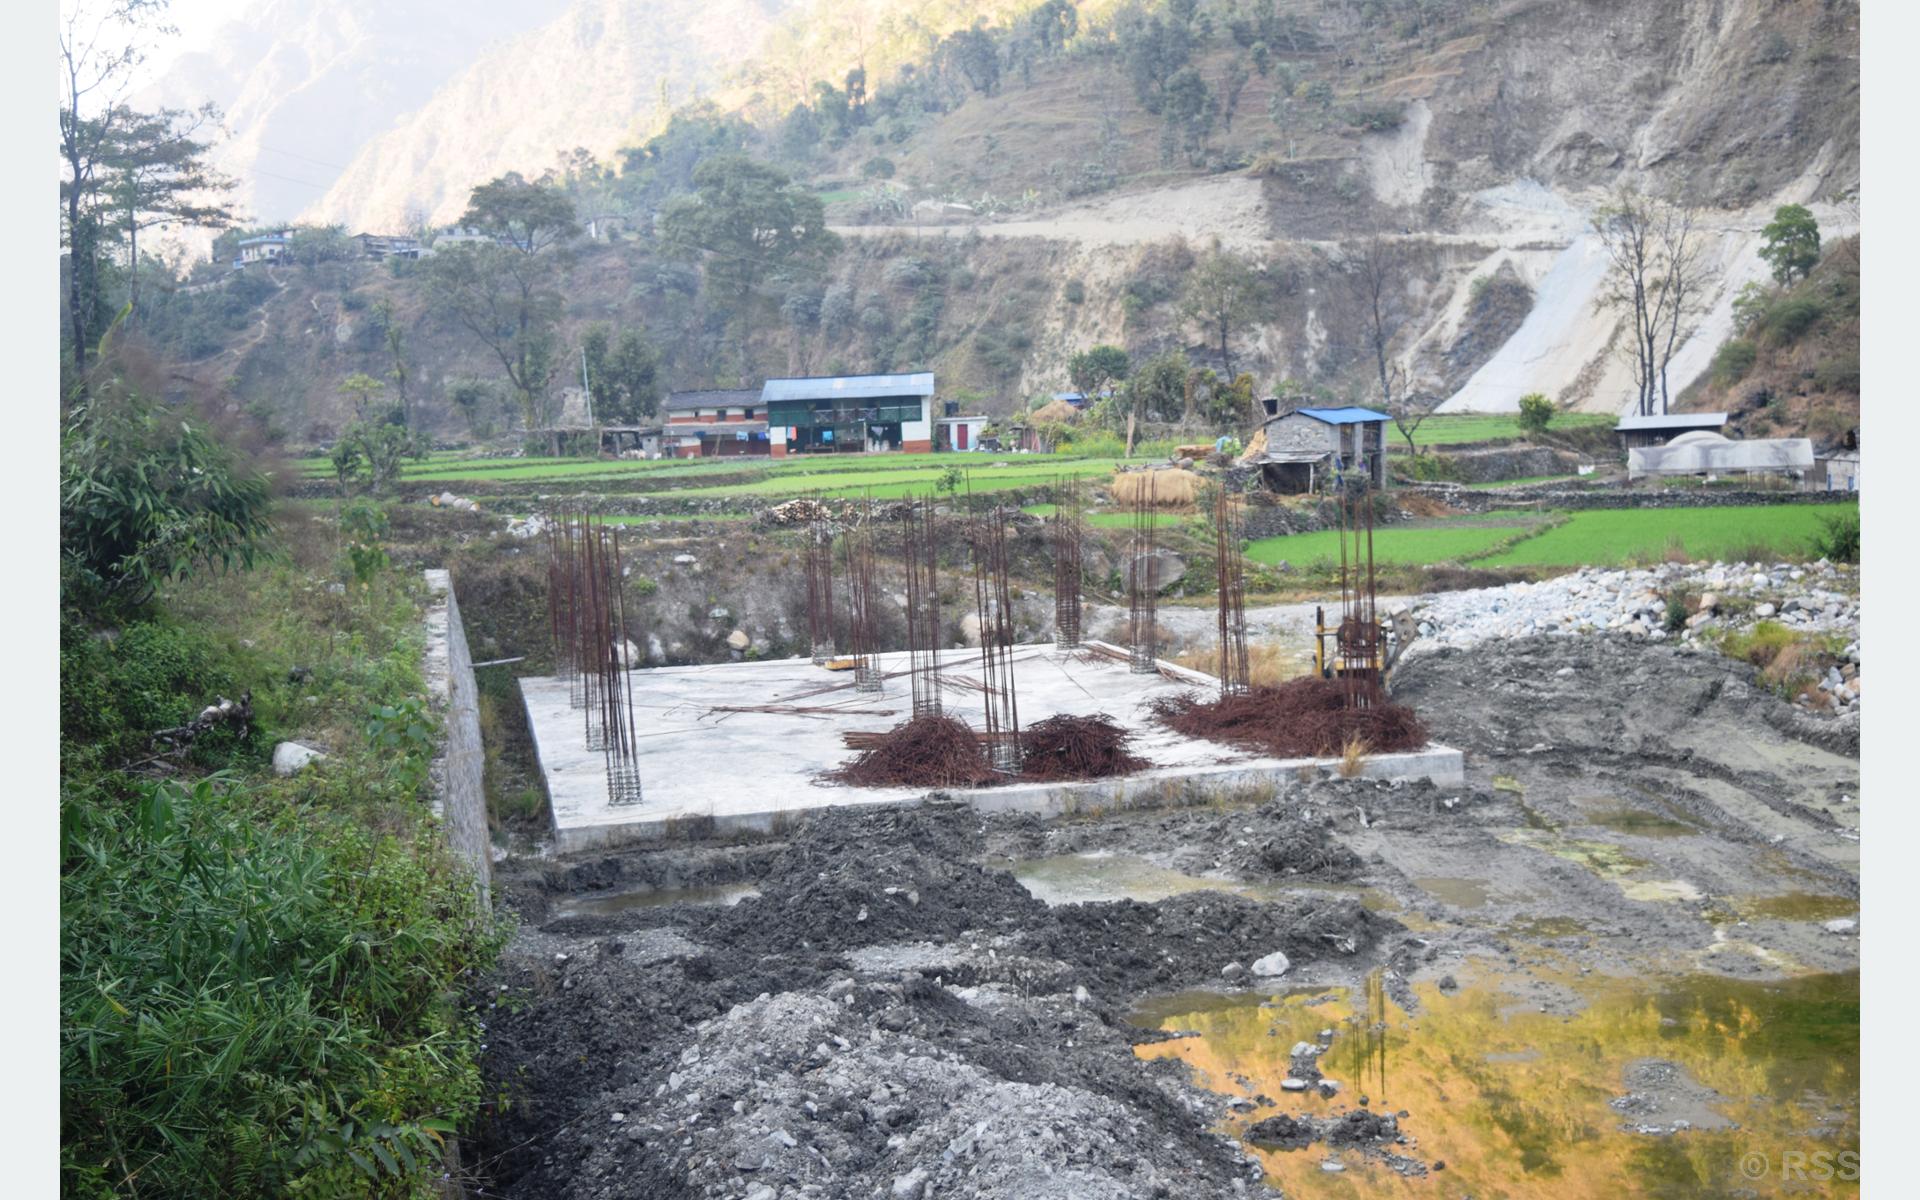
[[706, 766]]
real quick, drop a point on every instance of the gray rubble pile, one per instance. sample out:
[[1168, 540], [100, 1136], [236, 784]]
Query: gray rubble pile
[[1812, 598]]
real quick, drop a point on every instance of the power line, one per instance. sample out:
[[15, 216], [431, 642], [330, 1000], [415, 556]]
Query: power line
[[303, 158]]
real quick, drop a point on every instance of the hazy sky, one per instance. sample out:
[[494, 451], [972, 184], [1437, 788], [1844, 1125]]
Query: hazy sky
[[197, 20]]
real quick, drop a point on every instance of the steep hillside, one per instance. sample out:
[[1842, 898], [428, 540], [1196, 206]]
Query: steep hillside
[[305, 84], [593, 79], [1006, 221], [1793, 366]]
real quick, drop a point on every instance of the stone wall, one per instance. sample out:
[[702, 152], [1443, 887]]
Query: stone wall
[[459, 793], [1577, 499]]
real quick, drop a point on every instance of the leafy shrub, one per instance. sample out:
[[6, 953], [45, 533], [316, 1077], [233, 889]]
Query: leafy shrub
[[1734, 360], [1839, 537], [365, 523], [1536, 412], [148, 495], [1841, 373], [878, 167], [1785, 321], [154, 675], [1375, 118], [254, 1005], [1075, 292]]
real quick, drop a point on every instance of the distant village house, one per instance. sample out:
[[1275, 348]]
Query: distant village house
[[1306, 448]]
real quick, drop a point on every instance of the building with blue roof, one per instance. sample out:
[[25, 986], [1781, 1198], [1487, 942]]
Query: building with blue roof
[[837, 414], [1307, 449]]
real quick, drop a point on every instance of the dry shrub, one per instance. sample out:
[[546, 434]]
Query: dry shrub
[[1676, 551], [1269, 664], [1303, 718], [1157, 489], [1353, 756]]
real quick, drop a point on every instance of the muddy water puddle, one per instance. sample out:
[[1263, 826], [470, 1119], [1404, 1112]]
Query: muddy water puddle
[[1517, 1102], [607, 904], [1100, 876]]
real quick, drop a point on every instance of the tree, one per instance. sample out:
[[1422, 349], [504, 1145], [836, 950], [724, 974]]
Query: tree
[[157, 175], [1053, 23], [1189, 108], [312, 245], [505, 299], [1234, 83], [1655, 275], [1792, 246], [527, 216], [1094, 371], [746, 223], [1376, 277], [622, 375], [99, 51], [1536, 411], [1410, 410], [1219, 295], [361, 388], [400, 372], [978, 58], [1157, 389]]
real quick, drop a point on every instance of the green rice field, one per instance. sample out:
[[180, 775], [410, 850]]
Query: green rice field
[[1476, 427], [1595, 538]]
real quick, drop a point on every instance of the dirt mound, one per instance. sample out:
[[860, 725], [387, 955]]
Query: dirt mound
[[1302, 718], [1070, 747]]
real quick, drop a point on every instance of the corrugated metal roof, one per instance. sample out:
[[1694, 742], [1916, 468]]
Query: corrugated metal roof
[[1343, 416], [691, 428], [1291, 456], [713, 398], [1714, 457], [1672, 421], [827, 387]]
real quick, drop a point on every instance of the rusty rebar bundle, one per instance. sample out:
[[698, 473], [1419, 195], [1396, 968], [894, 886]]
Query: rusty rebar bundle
[[1229, 530], [1142, 580], [862, 601], [563, 603], [993, 600], [920, 546], [1358, 642], [820, 588], [1068, 529]]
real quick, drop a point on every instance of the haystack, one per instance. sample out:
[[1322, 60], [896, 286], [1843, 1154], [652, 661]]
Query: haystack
[[1054, 412], [1171, 488]]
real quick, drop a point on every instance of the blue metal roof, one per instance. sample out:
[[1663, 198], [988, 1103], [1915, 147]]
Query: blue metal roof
[[865, 387], [1343, 416]]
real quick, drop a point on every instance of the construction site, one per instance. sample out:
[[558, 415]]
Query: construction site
[[944, 908]]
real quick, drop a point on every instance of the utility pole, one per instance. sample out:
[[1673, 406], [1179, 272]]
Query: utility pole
[[587, 387]]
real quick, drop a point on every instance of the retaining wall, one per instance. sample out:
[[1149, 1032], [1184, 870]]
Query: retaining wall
[[459, 793], [1572, 499]]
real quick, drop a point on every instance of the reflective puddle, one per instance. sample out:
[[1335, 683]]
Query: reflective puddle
[[1101, 876], [606, 904], [1516, 1102]]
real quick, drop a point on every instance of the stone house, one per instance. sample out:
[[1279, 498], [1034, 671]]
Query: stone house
[[1305, 448]]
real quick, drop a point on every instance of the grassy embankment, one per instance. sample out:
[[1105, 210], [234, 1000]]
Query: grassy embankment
[[260, 976]]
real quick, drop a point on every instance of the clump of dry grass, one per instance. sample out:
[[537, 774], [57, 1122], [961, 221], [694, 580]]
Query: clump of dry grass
[[1173, 490], [1353, 756], [1268, 663]]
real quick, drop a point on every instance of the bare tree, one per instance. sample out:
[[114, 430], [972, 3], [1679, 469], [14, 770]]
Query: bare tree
[[1656, 274], [1376, 276], [1410, 410]]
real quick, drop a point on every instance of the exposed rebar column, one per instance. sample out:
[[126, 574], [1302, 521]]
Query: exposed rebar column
[[820, 588], [920, 546], [1229, 529], [1358, 642], [620, 738], [1069, 536], [1142, 594], [861, 601], [993, 598]]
